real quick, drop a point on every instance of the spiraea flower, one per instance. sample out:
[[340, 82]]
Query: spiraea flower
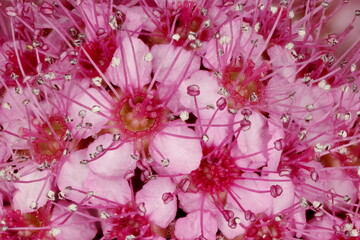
[[179, 119]]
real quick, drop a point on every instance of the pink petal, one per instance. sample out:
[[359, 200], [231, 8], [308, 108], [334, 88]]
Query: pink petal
[[283, 62], [31, 195], [85, 112], [233, 42], [111, 163], [95, 17], [208, 90], [224, 225], [5, 152], [220, 128], [170, 63], [287, 198], [257, 202], [182, 150], [253, 141], [131, 64], [117, 190], [74, 174], [76, 227], [80, 176], [159, 207], [189, 227], [191, 202]]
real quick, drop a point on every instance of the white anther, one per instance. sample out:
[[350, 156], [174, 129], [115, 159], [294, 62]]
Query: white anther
[[19, 90], [33, 205], [273, 9], [96, 109], [261, 7], [204, 11], [310, 107], [342, 133], [308, 118], [306, 79], [97, 81], [82, 113], [289, 46], [51, 195], [6, 105], [354, 233], [318, 147], [223, 91], [343, 151], [72, 208], [49, 75], [285, 118], [224, 40], [55, 231], [115, 62], [347, 116], [302, 32], [317, 204], [302, 134], [304, 202], [113, 23], [244, 27], [257, 27], [205, 138], [130, 237], [253, 97], [347, 199], [104, 215], [148, 57], [116, 137], [176, 37], [36, 91], [348, 227], [324, 85], [278, 218], [11, 11], [61, 195], [184, 115], [291, 14], [67, 77], [100, 148], [207, 23], [191, 36], [239, 7], [165, 162], [353, 67]]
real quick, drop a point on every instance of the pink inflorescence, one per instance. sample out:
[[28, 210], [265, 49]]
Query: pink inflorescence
[[179, 119]]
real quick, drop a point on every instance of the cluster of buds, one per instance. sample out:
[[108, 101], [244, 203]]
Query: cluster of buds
[[179, 119]]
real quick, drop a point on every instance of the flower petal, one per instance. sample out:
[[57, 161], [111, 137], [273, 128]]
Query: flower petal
[[178, 146], [160, 210], [111, 163], [193, 221]]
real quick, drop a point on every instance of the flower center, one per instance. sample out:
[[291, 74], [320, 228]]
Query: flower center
[[49, 144], [216, 173], [14, 219], [265, 228], [243, 84], [100, 52], [127, 224], [190, 25], [140, 115], [29, 63]]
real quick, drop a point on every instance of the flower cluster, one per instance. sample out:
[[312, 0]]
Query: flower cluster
[[178, 119]]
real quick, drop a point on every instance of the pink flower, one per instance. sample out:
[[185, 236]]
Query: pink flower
[[178, 120]]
